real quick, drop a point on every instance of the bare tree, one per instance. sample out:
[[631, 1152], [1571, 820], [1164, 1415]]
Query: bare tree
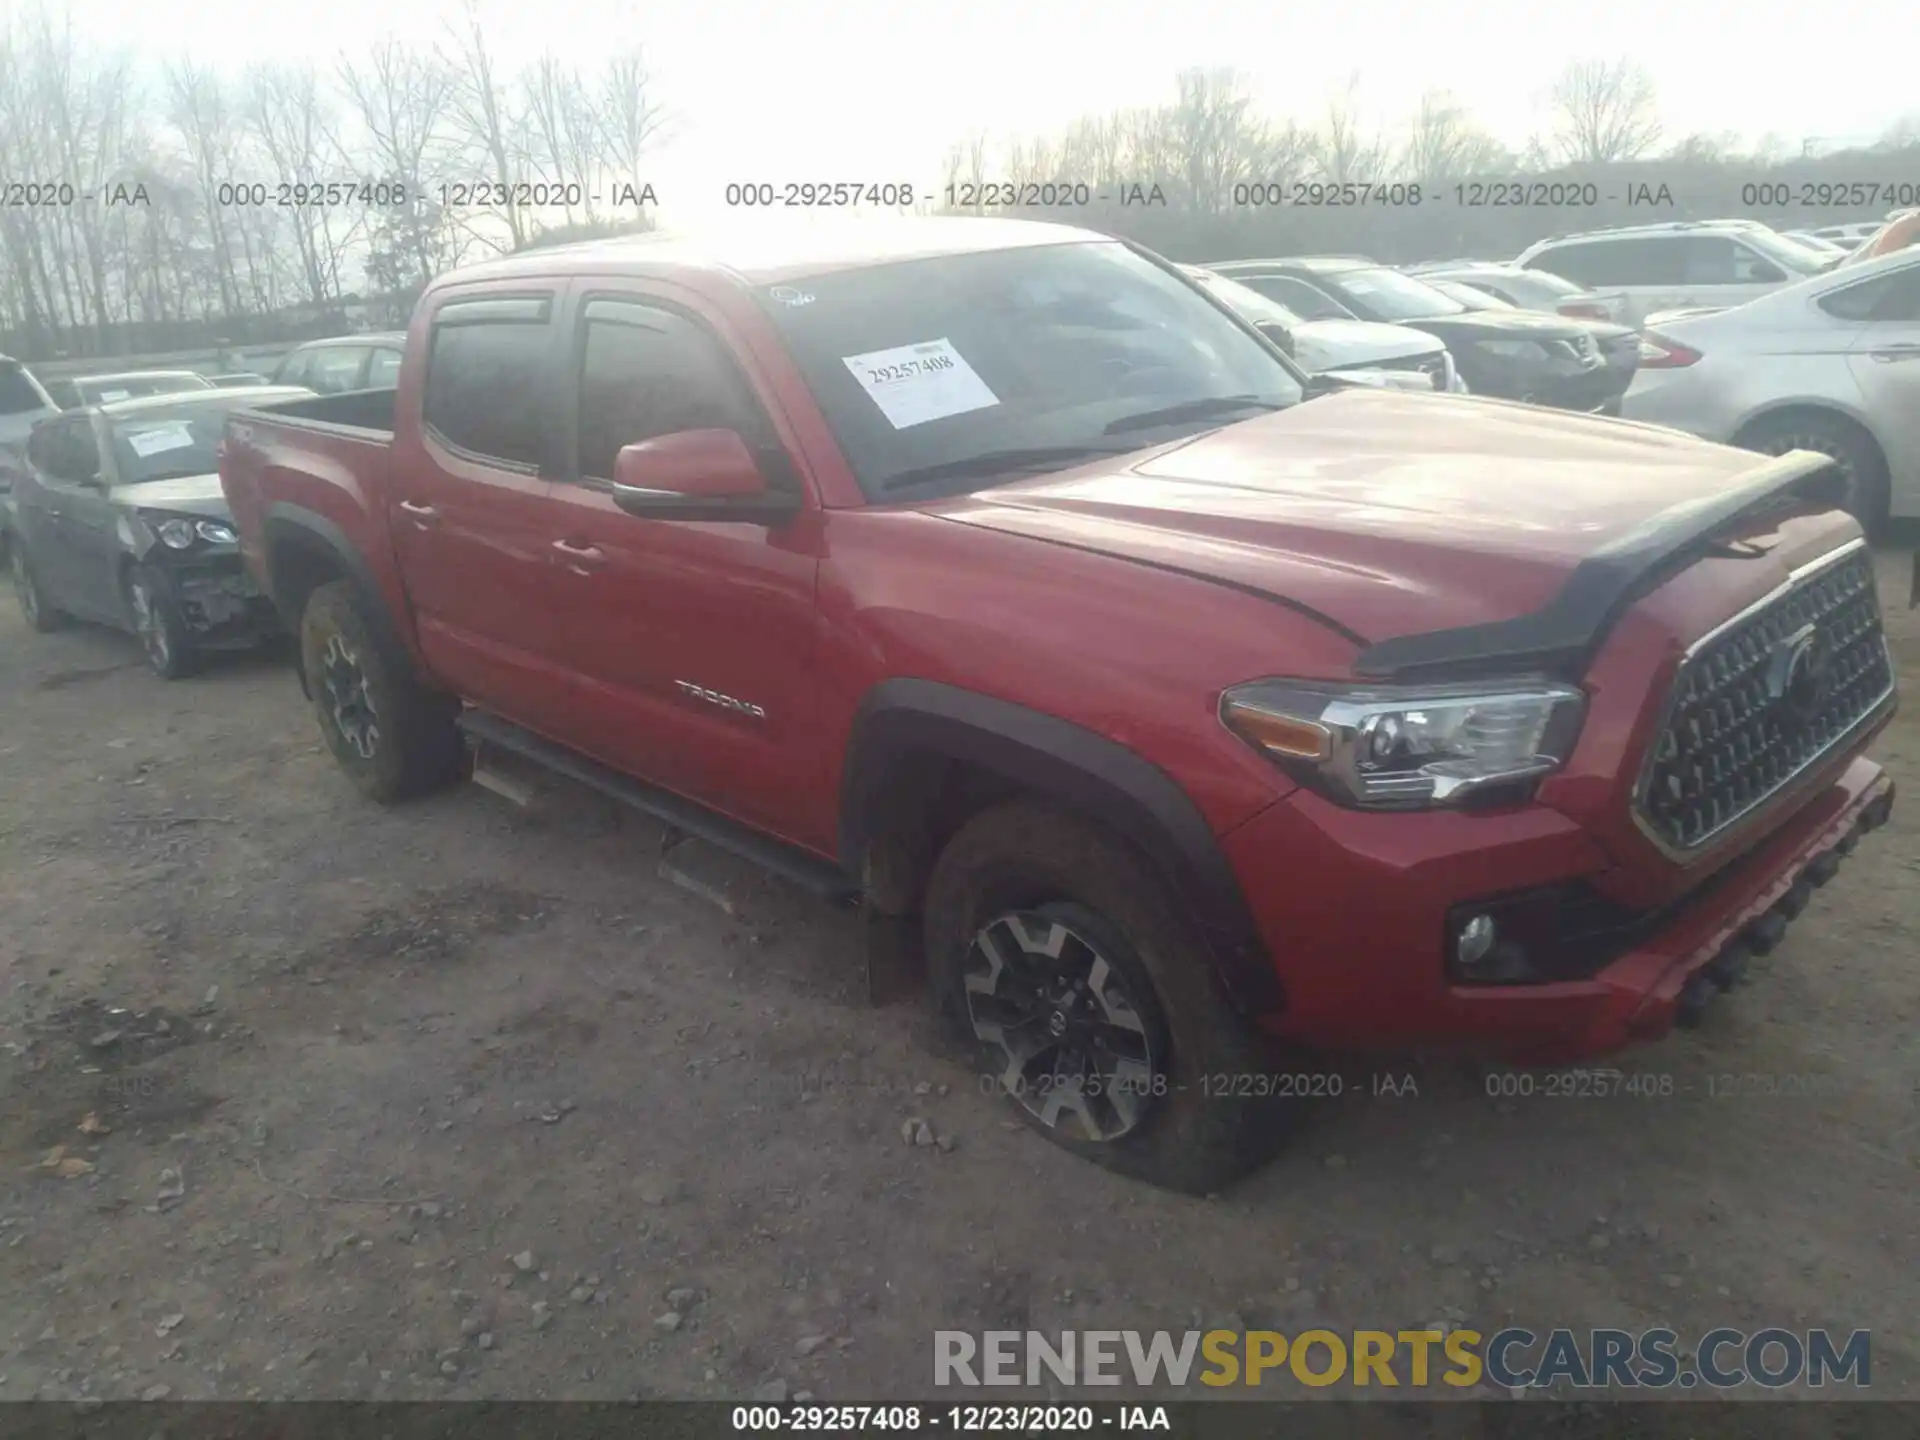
[[288, 117], [630, 121], [1603, 112], [401, 99], [1212, 138], [563, 133], [1445, 145], [966, 172], [483, 115], [1344, 152]]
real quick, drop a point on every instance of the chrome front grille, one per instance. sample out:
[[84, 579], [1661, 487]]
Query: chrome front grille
[[1763, 698]]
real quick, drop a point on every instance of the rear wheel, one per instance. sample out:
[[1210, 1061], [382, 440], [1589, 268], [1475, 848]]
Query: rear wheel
[[156, 621], [26, 589], [1093, 1004], [1851, 449], [392, 736]]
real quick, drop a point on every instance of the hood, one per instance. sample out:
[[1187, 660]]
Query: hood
[[1500, 325], [1331, 344], [1388, 513], [190, 495]]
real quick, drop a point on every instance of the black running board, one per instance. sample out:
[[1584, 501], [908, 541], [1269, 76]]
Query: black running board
[[809, 871]]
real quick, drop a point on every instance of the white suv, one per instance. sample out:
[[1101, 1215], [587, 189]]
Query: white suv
[[1705, 264]]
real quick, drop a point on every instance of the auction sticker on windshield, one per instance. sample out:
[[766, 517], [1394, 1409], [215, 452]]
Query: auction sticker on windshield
[[913, 384], [160, 439]]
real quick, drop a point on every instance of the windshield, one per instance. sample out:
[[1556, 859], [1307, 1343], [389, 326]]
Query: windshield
[[18, 394], [1382, 294], [170, 440], [1471, 298], [1048, 354], [1249, 305], [1800, 259]]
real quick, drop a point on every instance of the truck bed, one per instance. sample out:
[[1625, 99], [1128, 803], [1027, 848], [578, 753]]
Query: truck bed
[[358, 410], [318, 467]]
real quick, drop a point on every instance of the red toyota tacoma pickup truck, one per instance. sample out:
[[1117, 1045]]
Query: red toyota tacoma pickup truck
[[1192, 712]]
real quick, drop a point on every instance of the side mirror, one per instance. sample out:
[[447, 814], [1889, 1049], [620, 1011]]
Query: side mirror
[[1279, 334], [698, 475]]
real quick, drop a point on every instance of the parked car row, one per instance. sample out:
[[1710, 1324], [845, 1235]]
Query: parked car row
[[116, 517], [1546, 358]]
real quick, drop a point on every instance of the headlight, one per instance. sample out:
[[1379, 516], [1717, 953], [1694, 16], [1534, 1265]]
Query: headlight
[[1382, 748], [176, 534], [1514, 349], [214, 533]]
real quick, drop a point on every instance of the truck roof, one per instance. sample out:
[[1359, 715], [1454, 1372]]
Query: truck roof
[[758, 254]]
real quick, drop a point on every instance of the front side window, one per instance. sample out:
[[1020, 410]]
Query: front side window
[[66, 451], [1306, 301], [646, 372], [942, 367], [485, 377]]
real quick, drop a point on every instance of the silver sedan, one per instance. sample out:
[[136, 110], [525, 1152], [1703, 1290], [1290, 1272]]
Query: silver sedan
[[1830, 364]]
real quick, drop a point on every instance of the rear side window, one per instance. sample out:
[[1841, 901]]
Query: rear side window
[[647, 372], [1649, 260], [1885, 298], [486, 375], [18, 394], [293, 369], [1722, 260]]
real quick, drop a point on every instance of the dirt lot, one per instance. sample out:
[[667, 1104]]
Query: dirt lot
[[458, 1100]]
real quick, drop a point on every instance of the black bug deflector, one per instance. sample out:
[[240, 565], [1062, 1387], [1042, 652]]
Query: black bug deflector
[[1560, 637]]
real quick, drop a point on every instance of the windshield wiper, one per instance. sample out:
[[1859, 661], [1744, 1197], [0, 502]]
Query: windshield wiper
[[1190, 410], [1000, 462]]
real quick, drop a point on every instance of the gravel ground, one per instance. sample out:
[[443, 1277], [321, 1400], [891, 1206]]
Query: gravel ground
[[307, 1099]]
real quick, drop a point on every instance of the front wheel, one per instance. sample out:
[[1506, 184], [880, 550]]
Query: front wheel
[[26, 589], [163, 635], [392, 736], [1093, 1004]]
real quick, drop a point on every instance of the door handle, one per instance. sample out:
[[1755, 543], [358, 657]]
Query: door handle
[[581, 559], [424, 517]]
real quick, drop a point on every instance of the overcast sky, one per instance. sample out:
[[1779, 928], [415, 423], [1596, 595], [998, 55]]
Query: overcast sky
[[868, 91]]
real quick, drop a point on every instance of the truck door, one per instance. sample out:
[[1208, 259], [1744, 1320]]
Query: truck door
[[692, 642], [472, 513]]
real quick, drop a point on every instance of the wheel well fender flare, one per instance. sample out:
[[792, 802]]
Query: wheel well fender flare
[[903, 722], [287, 527]]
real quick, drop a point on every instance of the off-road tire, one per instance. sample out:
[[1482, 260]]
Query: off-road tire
[[1025, 856], [1850, 448], [406, 743], [38, 612], [163, 635]]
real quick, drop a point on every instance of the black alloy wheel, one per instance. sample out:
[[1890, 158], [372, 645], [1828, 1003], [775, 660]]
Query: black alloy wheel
[[1077, 1050]]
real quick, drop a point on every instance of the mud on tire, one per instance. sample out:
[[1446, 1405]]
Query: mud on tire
[[1024, 889], [393, 736]]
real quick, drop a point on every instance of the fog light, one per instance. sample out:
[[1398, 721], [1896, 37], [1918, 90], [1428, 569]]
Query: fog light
[[1475, 941]]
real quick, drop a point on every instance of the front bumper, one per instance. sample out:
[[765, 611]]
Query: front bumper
[[220, 604], [1362, 959]]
